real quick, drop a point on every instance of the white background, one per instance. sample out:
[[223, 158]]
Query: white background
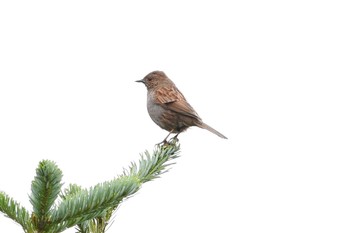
[[270, 75]]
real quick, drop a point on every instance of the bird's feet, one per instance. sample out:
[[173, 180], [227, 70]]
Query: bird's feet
[[172, 141], [175, 139], [162, 143]]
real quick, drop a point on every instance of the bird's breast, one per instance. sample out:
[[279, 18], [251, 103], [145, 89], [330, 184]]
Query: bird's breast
[[155, 111]]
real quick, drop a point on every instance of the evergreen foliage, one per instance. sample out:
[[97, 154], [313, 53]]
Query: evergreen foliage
[[90, 210]]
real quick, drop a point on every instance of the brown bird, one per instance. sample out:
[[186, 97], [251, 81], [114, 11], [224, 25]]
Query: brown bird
[[168, 107]]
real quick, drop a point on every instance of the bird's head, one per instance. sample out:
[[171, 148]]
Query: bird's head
[[155, 79]]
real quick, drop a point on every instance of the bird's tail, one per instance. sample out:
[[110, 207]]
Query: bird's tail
[[207, 127]]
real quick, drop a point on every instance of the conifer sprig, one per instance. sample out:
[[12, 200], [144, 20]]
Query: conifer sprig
[[90, 209]]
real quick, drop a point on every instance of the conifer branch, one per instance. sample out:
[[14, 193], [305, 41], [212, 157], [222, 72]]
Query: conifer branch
[[45, 189], [148, 168], [16, 212], [91, 203], [90, 209], [151, 167]]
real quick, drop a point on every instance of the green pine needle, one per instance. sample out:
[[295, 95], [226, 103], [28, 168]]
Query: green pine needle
[[16, 212], [90, 209], [148, 168], [45, 189]]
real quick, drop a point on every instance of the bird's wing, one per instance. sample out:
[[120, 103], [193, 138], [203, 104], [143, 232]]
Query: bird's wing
[[172, 99]]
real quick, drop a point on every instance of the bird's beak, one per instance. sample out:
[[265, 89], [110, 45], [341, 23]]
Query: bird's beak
[[140, 81]]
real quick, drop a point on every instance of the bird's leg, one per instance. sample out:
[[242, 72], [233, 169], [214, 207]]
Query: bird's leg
[[175, 137], [165, 139]]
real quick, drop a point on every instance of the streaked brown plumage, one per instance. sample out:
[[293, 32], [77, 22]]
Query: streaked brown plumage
[[168, 107]]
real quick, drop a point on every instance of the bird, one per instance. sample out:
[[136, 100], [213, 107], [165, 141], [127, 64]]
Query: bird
[[168, 107]]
